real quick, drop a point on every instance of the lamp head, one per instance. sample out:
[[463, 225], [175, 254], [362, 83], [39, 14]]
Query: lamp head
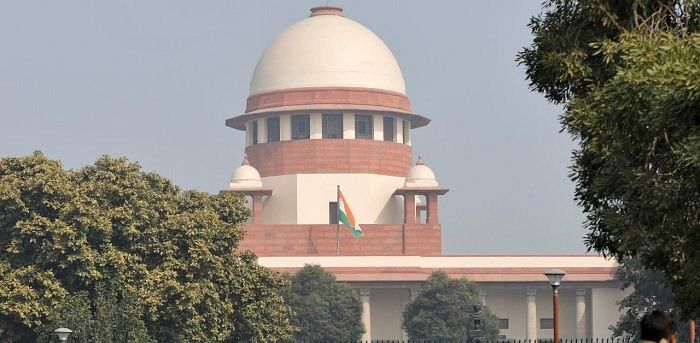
[[63, 333], [555, 276]]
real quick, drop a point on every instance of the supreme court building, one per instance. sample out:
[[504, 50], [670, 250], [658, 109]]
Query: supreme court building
[[327, 107]]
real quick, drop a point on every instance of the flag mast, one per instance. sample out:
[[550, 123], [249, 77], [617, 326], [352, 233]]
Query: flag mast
[[337, 220]]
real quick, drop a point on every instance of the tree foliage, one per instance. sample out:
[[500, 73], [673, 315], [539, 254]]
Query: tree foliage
[[628, 74], [325, 310], [441, 312], [115, 318], [63, 233], [647, 292]]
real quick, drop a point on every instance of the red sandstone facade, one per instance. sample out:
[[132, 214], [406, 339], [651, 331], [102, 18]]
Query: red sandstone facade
[[328, 95], [313, 156], [320, 239]]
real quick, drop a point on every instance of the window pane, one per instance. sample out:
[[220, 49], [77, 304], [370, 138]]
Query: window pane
[[503, 323], [389, 129], [273, 129], [333, 212], [332, 126], [363, 127], [254, 128], [300, 126], [546, 323]]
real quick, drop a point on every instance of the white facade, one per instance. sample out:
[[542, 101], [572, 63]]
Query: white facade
[[304, 198], [587, 302], [333, 65]]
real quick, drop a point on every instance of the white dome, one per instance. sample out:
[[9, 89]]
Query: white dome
[[327, 50], [245, 176], [421, 176]]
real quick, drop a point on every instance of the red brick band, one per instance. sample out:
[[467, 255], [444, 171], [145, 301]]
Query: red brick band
[[320, 239], [328, 95], [315, 156]]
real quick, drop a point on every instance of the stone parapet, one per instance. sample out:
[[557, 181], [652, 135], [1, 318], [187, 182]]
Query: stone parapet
[[320, 239]]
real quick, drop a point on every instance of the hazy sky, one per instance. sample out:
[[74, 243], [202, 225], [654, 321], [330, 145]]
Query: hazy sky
[[155, 80]]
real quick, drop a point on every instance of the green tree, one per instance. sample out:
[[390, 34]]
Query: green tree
[[442, 310], [325, 310], [647, 293], [627, 73], [63, 233], [114, 319]]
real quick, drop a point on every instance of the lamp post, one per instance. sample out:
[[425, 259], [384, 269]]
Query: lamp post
[[555, 276], [63, 334]]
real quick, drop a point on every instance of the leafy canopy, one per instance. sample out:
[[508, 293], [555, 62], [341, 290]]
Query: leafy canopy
[[325, 310], [441, 312], [647, 293], [63, 233], [628, 74]]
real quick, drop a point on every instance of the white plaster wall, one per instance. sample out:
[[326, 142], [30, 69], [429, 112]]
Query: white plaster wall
[[386, 308], [407, 125], [399, 130], [280, 208], [348, 126], [316, 126], [248, 135], [604, 310], [447, 261], [544, 310], [567, 313], [285, 128], [369, 196], [511, 304], [262, 130], [378, 127]]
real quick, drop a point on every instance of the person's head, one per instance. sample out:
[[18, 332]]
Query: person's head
[[657, 325]]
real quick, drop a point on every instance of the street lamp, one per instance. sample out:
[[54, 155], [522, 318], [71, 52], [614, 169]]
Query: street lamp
[[555, 276], [63, 334]]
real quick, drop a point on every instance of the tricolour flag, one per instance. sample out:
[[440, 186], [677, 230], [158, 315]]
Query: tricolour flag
[[345, 216]]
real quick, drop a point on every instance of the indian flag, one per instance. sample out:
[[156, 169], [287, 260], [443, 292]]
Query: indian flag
[[346, 217]]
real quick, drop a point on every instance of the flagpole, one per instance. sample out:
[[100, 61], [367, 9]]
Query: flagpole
[[337, 220]]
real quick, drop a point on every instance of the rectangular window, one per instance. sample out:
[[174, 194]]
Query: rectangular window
[[273, 129], [389, 129], [503, 323], [254, 128], [546, 323], [332, 125], [363, 127], [332, 212], [301, 126]]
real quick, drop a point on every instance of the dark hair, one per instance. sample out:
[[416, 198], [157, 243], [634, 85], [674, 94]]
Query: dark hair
[[657, 325]]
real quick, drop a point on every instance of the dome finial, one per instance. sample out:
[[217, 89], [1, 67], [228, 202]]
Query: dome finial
[[326, 10], [245, 160], [420, 161]]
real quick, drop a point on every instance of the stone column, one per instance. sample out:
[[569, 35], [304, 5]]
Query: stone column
[[432, 202], [581, 313], [531, 315], [409, 208], [364, 298], [257, 208]]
